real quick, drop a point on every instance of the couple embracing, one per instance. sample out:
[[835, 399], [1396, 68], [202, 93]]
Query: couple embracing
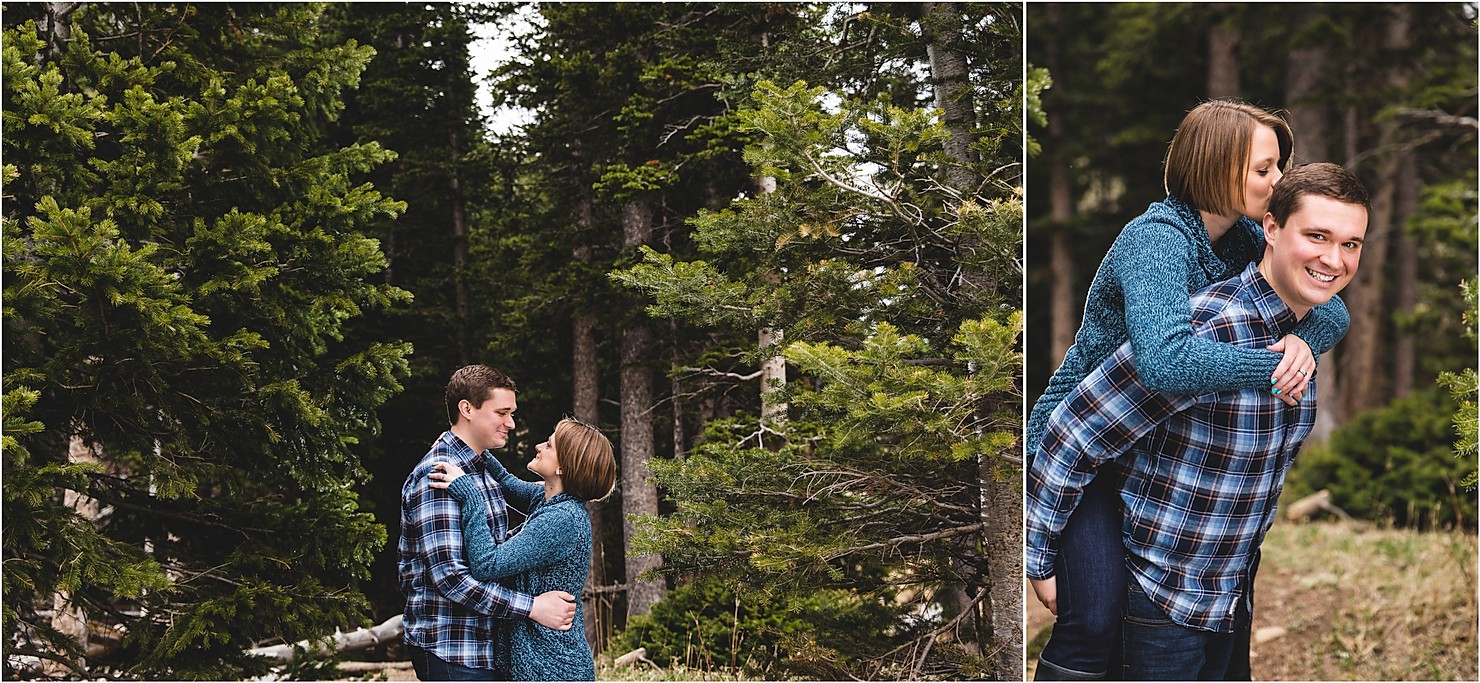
[[482, 603], [1160, 447]]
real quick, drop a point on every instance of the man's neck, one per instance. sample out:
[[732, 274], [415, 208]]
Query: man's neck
[[459, 431], [1299, 311]]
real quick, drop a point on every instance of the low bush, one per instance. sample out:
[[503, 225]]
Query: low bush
[[1393, 465]]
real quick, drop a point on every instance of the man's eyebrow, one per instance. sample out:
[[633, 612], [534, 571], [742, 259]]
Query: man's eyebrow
[[1332, 233]]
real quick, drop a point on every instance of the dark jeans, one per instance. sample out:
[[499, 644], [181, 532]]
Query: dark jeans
[[430, 667], [1158, 649], [1091, 579]]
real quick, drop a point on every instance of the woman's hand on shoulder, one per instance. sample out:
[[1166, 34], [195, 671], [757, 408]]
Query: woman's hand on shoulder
[[443, 474]]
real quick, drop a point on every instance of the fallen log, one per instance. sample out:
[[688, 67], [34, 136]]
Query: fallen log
[[1303, 509], [340, 642], [633, 657]]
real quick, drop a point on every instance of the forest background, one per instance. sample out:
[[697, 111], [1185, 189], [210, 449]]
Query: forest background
[[1388, 91], [772, 249]]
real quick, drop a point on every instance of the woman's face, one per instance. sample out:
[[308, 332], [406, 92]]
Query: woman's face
[[546, 462], [1263, 172]]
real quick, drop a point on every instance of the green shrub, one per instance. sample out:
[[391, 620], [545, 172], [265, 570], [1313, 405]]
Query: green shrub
[[712, 624], [1394, 464]]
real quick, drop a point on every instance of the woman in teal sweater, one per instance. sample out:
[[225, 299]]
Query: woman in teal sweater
[[1220, 171], [552, 550]]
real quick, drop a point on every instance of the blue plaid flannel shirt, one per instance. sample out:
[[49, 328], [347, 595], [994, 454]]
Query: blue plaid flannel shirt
[[1201, 474], [447, 611]]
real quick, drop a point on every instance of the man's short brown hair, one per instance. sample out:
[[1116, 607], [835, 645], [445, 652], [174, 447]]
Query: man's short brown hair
[[1320, 179], [474, 383], [1209, 155], [588, 468]]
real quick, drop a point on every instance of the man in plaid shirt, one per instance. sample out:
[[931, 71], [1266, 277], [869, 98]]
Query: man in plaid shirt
[[452, 621], [1200, 475]]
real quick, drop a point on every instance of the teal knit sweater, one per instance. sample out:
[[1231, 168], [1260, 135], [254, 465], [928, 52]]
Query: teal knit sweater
[[551, 552], [1140, 295]]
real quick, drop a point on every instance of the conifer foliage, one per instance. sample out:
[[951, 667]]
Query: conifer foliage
[[181, 254]]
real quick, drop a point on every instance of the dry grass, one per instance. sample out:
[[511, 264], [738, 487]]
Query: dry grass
[[1356, 603]]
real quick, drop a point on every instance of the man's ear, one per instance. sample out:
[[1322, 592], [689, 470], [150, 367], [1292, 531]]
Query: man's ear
[[465, 409], [1270, 226]]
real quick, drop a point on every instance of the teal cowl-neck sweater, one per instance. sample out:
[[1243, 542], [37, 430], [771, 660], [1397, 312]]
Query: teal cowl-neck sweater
[[1140, 295], [551, 551]]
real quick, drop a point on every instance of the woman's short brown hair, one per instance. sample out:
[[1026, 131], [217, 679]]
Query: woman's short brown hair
[[1209, 154], [588, 468]]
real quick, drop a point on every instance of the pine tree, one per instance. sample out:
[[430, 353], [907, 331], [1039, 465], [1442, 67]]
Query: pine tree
[[182, 252], [908, 377]]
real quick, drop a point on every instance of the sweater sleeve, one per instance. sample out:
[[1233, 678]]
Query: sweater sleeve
[[1153, 272], [1326, 324], [545, 539], [517, 492]]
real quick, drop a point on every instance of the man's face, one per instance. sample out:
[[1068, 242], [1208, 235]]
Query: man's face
[[1315, 254], [491, 422]]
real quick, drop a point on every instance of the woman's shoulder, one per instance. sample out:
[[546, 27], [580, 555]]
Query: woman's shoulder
[[1168, 218], [561, 509]]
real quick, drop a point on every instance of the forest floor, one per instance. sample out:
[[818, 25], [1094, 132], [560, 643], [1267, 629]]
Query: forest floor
[[1346, 601]]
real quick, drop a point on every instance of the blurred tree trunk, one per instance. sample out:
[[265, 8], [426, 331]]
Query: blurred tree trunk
[[1223, 60], [639, 489], [1363, 380], [1063, 300], [1405, 277], [585, 402], [459, 251], [1304, 82], [1310, 119]]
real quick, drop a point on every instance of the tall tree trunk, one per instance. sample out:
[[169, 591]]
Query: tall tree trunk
[[585, 399], [1405, 277], [1362, 382], [639, 489], [773, 368], [1310, 119], [1063, 301], [1001, 495], [459, 252], [1223, 61], [58, 28], [1304, 80], [67, 616]]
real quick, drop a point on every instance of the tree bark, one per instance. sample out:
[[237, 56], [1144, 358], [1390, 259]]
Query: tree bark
[[1223, 60], [459, 252], [586, 401], [639, 490], [1304, 79], [1405, 277], [1001, 501], [387, 631], [1063, 300], [1363, 386]]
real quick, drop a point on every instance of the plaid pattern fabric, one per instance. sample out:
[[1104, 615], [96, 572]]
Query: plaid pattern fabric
[[1201, 475], [447, 611]]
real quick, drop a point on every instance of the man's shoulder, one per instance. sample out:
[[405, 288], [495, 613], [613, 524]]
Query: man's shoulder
[[1222, 310]]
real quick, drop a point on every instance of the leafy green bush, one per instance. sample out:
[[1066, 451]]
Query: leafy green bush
[[1394, 465], [712, 624]]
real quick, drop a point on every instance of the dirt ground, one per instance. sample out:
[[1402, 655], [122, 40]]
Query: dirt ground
[[1338, 602]]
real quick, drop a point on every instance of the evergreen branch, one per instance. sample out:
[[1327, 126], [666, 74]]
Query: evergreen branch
[[912, 539]]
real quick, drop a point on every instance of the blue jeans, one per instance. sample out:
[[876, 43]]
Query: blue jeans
[[1158, 649], [430, 667], [1091, 578]]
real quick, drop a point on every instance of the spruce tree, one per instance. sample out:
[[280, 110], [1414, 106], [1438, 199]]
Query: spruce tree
[[182, 252], [908, 377]]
